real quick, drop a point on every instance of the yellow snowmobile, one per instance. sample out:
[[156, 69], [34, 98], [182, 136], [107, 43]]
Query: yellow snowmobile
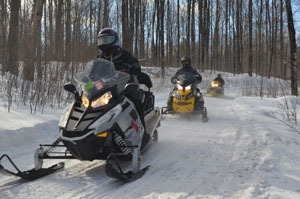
[[183, 98], [215, 89]]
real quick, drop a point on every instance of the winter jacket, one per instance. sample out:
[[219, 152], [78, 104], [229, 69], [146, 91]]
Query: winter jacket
[[123, 61]]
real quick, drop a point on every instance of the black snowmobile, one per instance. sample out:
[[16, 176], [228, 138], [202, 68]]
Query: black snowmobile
[[101, 124]]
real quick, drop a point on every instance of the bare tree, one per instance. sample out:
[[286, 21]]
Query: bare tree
[[250, 58], [13, 41], [293, 48], [3, 34], [106, 14]]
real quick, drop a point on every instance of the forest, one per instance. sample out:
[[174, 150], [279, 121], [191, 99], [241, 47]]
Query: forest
[[44, 42]]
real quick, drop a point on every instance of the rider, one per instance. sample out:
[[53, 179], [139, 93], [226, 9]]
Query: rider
[[108, 43], [220, 79], [187, 67]]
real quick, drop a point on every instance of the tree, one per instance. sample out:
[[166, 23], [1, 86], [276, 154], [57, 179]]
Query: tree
[[293, 48], [250, 58], [13, 41], [3, 33], [106, 14]]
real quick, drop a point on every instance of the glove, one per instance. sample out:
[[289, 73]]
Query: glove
[[174, 80]]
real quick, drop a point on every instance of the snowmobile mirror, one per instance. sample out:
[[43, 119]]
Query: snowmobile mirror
[[131, 87], [72, 89]]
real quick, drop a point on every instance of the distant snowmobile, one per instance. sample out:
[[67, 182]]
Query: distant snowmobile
[[102, 124], [184, 97], [215, 89]]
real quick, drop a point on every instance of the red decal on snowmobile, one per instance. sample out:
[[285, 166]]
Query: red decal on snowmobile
[[98, 85], [135, 126]]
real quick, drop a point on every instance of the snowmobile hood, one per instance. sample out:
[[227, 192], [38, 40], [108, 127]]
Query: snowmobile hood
[[98, 75]]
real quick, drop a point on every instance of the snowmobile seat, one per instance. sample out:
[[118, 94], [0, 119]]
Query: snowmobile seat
[[148, 101], [144, 78]]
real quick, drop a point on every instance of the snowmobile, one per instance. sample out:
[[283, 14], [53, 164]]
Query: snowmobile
[[101, 124], [184, 97], [215, 89]]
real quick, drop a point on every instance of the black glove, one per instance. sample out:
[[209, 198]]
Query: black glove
[[174, 80]]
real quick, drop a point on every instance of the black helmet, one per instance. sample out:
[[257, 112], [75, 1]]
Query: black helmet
[[219, 75], [186, 61], [107, 38]]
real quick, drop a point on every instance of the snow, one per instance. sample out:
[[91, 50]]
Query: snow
[[242, 152]]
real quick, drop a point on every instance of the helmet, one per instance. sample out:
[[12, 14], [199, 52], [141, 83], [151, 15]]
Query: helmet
[[219, 75], [186, 61], [107, 38]]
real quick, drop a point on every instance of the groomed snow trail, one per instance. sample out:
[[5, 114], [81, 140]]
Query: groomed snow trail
[[240, 153]]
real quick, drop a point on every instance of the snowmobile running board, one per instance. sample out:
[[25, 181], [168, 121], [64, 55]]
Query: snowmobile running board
[[120, 175], [32, 174]]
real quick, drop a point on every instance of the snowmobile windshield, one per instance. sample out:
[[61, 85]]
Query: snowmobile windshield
[[185, 78], [99, 75]]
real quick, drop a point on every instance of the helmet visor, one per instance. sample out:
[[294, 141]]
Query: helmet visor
[[186, 62], [106, 39]]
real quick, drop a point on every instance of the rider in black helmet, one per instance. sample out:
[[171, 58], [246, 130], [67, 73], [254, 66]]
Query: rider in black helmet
[[220, 79], [187, 67], [108, 44]]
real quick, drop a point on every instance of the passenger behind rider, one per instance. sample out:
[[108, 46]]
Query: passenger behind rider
[[108, 43], [220, 79], [187, 67]]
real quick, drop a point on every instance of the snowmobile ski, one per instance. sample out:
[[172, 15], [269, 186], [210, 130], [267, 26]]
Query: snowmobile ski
[[32, 174], [120, 175]]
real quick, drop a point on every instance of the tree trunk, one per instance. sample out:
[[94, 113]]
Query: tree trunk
[[250, 58], [215, 52], [293, 48], [178, 32], [33, 57], [3, 35], [59, 30], [105, 14], [188, 29], [13, 37], [282, 57], [193, 34], [161, 36]]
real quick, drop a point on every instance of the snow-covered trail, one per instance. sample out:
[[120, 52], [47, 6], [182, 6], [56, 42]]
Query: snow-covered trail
[[239, 153]]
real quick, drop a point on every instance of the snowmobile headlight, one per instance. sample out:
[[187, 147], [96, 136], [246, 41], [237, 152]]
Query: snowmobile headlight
[[179, 87], [189, 87], [101, 101], [214, 85], [85, 101]]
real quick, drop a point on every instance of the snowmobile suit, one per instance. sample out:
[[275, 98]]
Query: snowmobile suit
[[125, 62]]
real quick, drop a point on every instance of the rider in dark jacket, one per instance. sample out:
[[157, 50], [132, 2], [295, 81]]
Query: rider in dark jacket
[[220, 79], [108, 43], [187, 67]]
